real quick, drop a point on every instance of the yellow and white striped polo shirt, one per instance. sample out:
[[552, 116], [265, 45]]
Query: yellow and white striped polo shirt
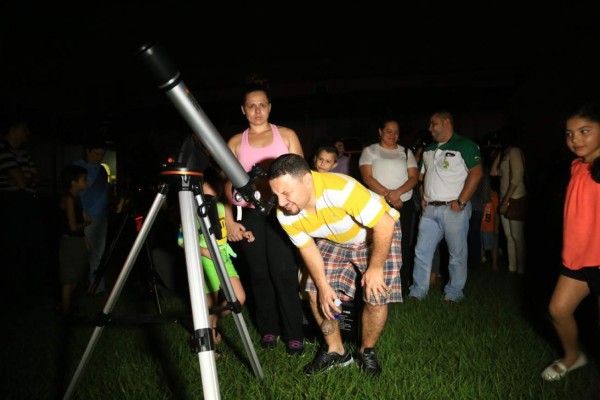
[[344, 210]]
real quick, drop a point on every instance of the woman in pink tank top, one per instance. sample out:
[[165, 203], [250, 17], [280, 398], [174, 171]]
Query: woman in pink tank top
[[270, 258]]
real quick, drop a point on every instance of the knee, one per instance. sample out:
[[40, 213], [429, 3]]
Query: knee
[[558, 311]]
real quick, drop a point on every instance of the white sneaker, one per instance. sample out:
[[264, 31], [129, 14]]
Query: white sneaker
[[557, 370]]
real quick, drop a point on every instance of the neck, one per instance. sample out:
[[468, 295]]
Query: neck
[[391, 147], [310, 207], [260, 127]]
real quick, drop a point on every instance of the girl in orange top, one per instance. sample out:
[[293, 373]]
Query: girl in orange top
[[580, 274]]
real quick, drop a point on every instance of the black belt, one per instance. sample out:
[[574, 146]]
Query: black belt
[[440, 203]]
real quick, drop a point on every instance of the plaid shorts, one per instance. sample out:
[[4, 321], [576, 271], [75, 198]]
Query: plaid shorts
[[343, 261]]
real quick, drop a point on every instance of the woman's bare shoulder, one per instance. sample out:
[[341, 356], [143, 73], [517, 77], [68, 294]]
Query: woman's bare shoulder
[[234, 142], [236, 138], [286, 132]]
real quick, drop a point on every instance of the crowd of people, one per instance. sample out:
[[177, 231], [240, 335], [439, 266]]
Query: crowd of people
[[376, 234]]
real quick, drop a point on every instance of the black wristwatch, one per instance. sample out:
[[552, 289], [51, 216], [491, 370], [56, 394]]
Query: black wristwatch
[[461, 204]]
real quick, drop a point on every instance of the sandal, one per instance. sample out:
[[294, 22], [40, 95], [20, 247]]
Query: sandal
[[557, 370]]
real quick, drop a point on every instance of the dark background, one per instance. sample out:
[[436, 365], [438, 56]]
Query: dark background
[[70, 71]]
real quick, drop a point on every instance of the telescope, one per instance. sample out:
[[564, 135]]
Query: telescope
[[168, 79]]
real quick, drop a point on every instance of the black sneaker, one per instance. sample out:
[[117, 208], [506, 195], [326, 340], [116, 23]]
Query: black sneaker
[[268, 341], [324, 361], [367, 362], [294, 348]]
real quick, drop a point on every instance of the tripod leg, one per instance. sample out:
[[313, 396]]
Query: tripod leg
[[106, 257], [116, 291], [203, 338], [153, 278], [228, 291]]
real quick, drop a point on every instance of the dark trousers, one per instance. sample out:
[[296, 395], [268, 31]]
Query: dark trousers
[[408, 224], [273, 274]]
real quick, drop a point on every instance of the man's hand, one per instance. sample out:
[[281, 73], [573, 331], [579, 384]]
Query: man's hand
[[454, 206], [327, 298], [373, 284]]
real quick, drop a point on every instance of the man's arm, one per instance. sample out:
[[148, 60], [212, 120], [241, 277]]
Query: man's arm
[[422, 190], [316, 268], [474, 176], [373, 280]]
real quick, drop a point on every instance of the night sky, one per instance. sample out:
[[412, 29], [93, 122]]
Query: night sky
[[70, 69]]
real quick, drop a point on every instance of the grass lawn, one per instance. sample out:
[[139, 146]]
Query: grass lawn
[[491, 346]]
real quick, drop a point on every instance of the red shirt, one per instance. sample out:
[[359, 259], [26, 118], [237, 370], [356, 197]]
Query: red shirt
[[581, 232], [490, 226]]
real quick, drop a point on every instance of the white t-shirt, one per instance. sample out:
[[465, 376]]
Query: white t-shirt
[[389, 166]]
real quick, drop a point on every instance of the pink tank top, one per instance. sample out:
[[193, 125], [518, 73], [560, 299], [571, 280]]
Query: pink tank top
[[263, 156]]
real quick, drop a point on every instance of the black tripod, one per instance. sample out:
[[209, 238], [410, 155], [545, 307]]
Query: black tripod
[[186, 174], [189, 184], [129, 212]]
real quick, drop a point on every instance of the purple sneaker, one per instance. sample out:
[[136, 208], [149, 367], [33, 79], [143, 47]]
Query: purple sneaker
[[268, 341], [294, 348]]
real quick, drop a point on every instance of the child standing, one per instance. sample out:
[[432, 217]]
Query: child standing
[[489, 230], [73, 248], [580, 274], [326, 159], [212, 187]]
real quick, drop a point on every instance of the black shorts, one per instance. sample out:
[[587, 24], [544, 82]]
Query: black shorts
[[591, 275]]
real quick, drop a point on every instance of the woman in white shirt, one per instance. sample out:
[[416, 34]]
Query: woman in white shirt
[[390, 170]]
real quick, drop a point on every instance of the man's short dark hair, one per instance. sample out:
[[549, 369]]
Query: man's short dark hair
[[290, 163], [445, 114]]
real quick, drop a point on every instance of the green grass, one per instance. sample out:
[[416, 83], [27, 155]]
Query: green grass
[[492, 346]]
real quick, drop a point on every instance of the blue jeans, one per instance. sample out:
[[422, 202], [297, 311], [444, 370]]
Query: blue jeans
[[439, 222]]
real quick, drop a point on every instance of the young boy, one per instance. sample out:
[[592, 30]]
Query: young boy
[[489, 230], [74, 249], [325, 158], [212, 187]]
